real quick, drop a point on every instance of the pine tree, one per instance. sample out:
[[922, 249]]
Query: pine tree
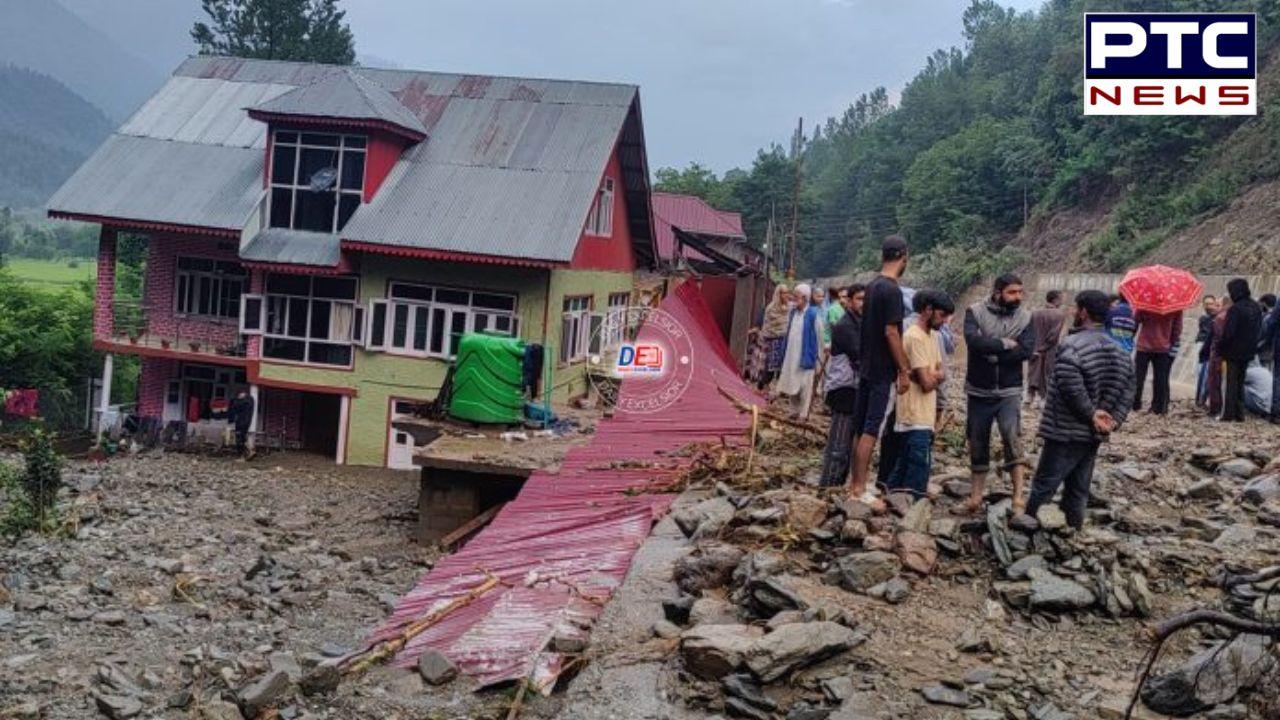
[[306, 30]]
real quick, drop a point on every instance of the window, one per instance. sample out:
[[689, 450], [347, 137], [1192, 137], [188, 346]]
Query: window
[[429, 321], [615, 320], [575, 328], [600, 219], [305, 319], [208, 288], [317, 180]]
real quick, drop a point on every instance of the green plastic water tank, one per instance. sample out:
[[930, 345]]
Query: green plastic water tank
[[487, 378]]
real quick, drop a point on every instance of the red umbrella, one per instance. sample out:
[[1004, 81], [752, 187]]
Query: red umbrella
[[1160, 289]]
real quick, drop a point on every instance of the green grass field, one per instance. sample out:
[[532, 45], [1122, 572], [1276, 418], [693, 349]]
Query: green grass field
[[51, 274]]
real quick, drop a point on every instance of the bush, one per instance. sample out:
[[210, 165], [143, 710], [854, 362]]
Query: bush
[[31, 494]]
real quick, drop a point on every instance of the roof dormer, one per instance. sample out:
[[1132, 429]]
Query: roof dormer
[[342, 99]]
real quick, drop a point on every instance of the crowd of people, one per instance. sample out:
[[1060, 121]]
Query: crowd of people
[[876, 354]]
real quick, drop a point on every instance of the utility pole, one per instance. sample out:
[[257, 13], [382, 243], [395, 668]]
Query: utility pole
[[797, 152], [770, 246]]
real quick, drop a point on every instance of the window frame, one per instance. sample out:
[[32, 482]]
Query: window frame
[[218, 280], [600, 218], [290, 300], [295, 184], [430, 313], [575, 323]]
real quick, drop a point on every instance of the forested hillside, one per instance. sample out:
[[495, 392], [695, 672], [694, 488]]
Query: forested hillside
[[987, 158], [46, 131]]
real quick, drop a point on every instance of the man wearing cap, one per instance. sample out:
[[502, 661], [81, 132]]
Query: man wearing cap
[[883, 362]]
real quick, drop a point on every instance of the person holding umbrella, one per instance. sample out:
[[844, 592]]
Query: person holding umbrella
[[1158, 294]]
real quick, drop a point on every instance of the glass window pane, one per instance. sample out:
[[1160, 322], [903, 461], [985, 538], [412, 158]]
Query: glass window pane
[[315, 211], [352, 170], [420, 316], [319, 139], [400, 327], [355, 141], [495, 302], [281, 207], [452, 297], [320, 312], [313, 161], [329, 354], [182, 293], [411, 292], [297, 326], [481, 323], [347, 205], [283, 349], [204, 304], [286, 137], [231, 291], [457, 326], [277, 309], [288, 284], [437, 330], [338, 288], [377, 333], [282, 164]]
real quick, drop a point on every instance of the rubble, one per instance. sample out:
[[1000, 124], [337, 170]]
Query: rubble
[[1215, 675]]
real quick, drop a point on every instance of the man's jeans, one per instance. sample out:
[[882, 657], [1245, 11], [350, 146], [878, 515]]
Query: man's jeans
[[911, 470], [1068, 464], [1006, 413], [1163, 363]]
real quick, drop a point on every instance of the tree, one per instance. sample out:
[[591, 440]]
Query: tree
[[305, 30], [698, 181]]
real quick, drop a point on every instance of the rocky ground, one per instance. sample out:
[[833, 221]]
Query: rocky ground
[[199, 587]]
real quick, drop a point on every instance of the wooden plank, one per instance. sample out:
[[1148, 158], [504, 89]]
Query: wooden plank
[[470, 526]]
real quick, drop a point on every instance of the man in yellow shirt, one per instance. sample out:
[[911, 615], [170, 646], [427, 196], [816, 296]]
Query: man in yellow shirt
[[917, 408]]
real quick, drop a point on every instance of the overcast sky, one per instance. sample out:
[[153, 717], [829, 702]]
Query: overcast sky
[[718, 78]]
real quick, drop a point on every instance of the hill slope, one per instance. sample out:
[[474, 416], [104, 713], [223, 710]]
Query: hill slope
[[46, 131], [46, 37]]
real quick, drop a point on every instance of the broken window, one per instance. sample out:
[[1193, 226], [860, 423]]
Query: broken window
[[317, 180]]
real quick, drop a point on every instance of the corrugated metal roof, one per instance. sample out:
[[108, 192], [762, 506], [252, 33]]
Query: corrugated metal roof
[[346, 95], [293, 247], [691, 214], [510, 168], [164, 181]]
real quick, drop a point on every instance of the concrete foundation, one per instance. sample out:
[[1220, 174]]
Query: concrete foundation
[[448, 497]]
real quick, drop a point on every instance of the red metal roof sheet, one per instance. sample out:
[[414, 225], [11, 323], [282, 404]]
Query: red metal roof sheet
[[691, 214], [564, 545]]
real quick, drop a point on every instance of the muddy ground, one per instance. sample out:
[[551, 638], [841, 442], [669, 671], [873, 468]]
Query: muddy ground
[[181, 579]]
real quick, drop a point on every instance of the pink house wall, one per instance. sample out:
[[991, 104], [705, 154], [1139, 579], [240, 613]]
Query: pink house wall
[[159, 287], [153, 383], [105, 291]]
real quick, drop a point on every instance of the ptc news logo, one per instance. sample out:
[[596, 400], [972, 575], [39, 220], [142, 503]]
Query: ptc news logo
[[1170, 64]]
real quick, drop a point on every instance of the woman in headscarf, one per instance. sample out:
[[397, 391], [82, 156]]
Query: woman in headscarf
[[772, 336], [803, 347]]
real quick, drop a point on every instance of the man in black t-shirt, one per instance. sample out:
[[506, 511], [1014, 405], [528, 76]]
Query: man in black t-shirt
[[883, 361]]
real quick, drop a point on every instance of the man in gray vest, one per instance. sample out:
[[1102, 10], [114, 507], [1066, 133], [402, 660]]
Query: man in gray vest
[[1000, 338]]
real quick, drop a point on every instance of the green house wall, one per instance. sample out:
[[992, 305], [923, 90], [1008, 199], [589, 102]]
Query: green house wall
[[378, 377]]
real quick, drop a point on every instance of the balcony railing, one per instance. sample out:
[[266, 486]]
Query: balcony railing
[[131, 324]]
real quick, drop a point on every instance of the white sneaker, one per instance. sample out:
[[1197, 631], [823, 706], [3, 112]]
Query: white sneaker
[[869, 497]]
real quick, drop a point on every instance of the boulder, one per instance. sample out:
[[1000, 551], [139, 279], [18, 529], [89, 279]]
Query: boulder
[[713, 611], [795, 646], [1239, 467], [917, 551], [118, 707], [220, 710], [265, 692], [704, 519], [943, 695], [1051, 517], [713, 651], [860, 571], [321, 680], [853, 531], [710, 566], [1057, 594], [1262, 489], [1018, 570], [769, 596], [918, 516], [1214, 675], [436, 668]]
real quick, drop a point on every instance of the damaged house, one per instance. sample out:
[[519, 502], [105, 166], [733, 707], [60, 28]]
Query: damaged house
[[325, 235]]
